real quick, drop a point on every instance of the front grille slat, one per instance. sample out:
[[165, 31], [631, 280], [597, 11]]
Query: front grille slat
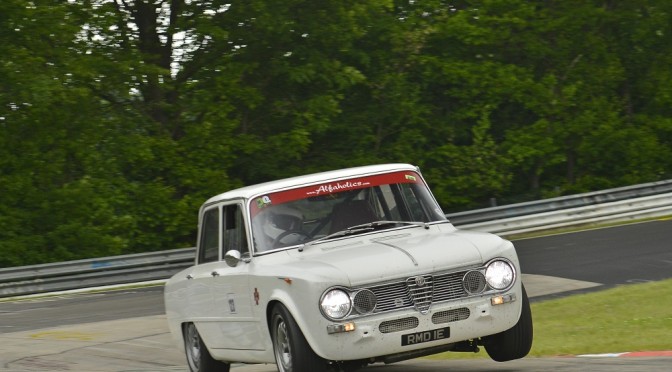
[[408, 293], [391, 296]]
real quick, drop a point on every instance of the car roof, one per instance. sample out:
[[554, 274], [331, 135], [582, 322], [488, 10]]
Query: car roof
[[307, 180]]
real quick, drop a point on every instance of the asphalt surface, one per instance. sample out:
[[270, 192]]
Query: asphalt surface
[[67, 309], [125, 330], [614, 256]]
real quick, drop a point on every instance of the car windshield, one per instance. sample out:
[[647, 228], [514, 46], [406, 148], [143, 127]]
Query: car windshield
[[301, 215]]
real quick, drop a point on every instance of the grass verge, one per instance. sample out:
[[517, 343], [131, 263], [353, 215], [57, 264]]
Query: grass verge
[[635, 317]]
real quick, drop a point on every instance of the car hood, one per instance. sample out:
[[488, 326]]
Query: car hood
[[388, 255]]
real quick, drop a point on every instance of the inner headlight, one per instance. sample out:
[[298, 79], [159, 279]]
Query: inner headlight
[[336, 304], [499, 275]]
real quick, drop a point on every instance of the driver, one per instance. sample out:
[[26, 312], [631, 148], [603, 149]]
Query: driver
[[281, 226]]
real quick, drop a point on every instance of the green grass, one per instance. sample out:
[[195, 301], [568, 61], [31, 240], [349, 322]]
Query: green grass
[[636, 317]]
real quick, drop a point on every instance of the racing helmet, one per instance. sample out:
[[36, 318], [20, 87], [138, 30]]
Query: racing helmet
[[279, 219]]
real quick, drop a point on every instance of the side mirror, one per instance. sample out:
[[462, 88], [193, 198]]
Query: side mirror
[[232, 258]]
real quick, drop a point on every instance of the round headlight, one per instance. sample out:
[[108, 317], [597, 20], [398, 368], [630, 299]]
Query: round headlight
[[336, 304], [499, 275]]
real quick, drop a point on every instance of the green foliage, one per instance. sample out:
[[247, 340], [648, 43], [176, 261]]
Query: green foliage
[[467, 173], [119, 118]]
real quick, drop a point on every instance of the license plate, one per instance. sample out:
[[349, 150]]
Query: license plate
[[426, 336]]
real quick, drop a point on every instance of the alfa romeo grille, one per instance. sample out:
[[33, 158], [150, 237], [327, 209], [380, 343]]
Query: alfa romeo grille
[[421, 289], [407, 292]]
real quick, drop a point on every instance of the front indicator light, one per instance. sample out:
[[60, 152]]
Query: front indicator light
[[503, 299], [340, 328]]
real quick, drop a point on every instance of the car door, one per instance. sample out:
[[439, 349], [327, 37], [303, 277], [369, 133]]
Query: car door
[[231, 312], [199, 297]]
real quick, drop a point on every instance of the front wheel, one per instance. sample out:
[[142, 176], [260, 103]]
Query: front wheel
[[198, 356], [515, 342], [292, 351]]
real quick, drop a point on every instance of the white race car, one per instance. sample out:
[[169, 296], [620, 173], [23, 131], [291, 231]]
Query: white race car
[[337, 270]]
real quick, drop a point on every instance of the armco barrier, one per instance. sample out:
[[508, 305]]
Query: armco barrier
[[97, 272], [619, 211], [622, 204], [561, 203]]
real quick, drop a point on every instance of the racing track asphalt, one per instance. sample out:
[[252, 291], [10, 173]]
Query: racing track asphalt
[[125, 330], [626, 254]]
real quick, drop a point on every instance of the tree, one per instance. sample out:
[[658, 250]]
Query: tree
[[120, 117]]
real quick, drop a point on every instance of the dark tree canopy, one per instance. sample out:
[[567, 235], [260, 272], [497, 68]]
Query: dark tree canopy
[[118, 118]]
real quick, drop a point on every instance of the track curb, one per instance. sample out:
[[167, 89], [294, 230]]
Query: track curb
[[632, 354]]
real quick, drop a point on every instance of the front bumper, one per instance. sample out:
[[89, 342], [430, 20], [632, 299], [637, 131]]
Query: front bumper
[[451, 322]]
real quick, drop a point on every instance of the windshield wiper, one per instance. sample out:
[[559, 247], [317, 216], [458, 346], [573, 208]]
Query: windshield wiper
[[370, 226], [386, 222], [349, 231]]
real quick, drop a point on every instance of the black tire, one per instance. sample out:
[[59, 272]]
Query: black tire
[[513, 343], [291, 350], [198, 356]]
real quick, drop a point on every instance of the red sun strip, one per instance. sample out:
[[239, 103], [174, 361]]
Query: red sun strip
[[327, 188]]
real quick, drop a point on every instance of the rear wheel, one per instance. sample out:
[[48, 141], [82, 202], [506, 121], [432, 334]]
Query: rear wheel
[[513, 343], [198, 357], [292, 351]]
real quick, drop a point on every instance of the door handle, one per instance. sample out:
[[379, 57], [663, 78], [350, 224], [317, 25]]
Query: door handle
[[214, 273], [189, 277]]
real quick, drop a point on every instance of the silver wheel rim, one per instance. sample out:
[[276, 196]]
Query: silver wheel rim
[[192, 344], [283, 352]]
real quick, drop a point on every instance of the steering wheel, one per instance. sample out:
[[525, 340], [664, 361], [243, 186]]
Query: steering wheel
[[276, 242]]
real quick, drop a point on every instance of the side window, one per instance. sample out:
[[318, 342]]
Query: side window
[[234, 230], [209, 247]]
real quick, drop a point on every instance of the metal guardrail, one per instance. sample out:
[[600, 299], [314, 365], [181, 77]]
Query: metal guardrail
[[590, 215], [640, 201], [60, 276], [561, 203]]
